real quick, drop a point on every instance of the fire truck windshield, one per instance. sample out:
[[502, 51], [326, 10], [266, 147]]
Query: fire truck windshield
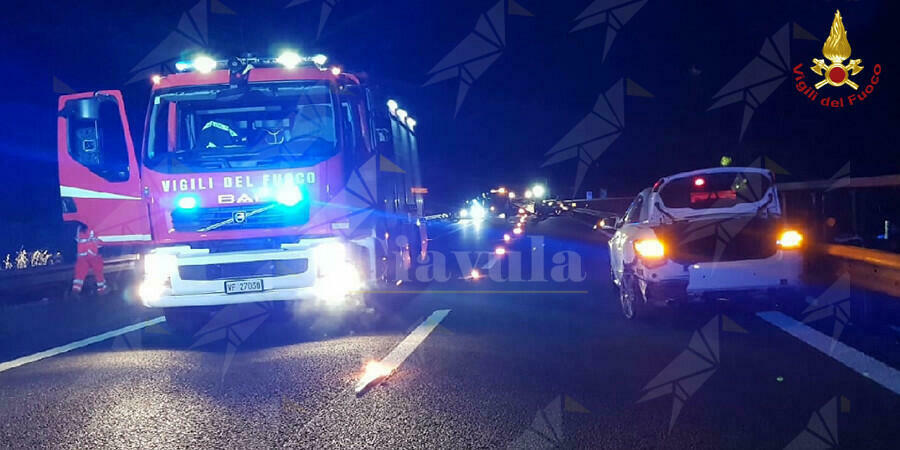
[[257, 126]]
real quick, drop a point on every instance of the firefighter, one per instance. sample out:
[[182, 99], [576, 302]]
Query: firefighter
[[89, 259]]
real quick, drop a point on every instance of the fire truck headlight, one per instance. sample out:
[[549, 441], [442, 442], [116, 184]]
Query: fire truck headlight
[[289, 195], [158, 270], [335, 287], [159, 266], [204, 64], [337, 277], [330, 257], [150, 291], [289, 59]]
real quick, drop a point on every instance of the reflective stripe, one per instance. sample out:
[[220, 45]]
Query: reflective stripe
[[221, 126], [77, 282], [70, 191], [125, 237]]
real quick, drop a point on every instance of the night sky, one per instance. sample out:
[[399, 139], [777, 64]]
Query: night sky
[[544, 82]]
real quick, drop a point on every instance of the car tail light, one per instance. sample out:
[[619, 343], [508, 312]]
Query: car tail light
[[651, 251], [790, 239], [650, 248]]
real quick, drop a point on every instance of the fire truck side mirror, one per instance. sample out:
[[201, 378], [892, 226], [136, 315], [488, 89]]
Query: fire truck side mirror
[[83, 109]]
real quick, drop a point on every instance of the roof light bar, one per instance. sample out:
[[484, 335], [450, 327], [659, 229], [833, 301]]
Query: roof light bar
[[204, 64], [288, 59]]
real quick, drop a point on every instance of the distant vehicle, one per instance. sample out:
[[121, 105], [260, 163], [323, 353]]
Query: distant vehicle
[[707, 233], [259, 179], [493, 207]]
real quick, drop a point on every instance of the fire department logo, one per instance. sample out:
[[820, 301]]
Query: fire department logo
[[837, 50], [239, 216]]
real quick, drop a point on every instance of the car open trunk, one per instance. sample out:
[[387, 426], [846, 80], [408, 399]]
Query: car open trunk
[[720, 238]]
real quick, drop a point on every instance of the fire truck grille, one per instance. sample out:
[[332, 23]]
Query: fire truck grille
[[278, 267], [229, 218]]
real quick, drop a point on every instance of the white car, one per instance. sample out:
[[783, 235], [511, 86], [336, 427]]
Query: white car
[[713, 233]]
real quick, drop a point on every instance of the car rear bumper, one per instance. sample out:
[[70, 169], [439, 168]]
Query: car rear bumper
[[783, 270], [732, 279]]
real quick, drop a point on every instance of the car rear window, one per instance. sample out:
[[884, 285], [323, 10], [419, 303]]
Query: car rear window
[[715, 190]]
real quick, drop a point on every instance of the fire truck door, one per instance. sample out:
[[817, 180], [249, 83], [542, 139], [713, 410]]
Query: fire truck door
[[99, 177]]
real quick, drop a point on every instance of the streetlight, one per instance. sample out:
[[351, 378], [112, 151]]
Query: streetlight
[[538, 191]]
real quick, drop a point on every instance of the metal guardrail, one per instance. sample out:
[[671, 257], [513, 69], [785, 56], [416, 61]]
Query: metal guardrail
[[873, 270], [36, 277]]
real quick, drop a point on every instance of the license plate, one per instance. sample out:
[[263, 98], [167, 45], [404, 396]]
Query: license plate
[[242, 286]]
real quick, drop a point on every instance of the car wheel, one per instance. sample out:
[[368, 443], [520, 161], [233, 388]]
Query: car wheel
[[630, 297]]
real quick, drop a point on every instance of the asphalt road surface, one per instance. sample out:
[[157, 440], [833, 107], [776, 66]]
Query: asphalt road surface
[[513, 364]]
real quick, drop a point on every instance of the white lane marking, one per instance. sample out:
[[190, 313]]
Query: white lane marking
[[78, 344], [862, 363], [76, 192], [124, 237], [392, 361]]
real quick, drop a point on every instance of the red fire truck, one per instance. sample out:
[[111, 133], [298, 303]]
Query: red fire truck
[[258, 179]]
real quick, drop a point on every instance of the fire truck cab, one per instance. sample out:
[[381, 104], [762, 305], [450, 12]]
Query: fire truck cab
[[258, 179]]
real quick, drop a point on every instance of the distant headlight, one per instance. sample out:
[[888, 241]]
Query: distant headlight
[[477, 211], [790, 239]]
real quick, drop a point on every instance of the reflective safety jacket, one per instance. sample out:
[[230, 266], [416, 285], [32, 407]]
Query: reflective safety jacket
[[88, 244]]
